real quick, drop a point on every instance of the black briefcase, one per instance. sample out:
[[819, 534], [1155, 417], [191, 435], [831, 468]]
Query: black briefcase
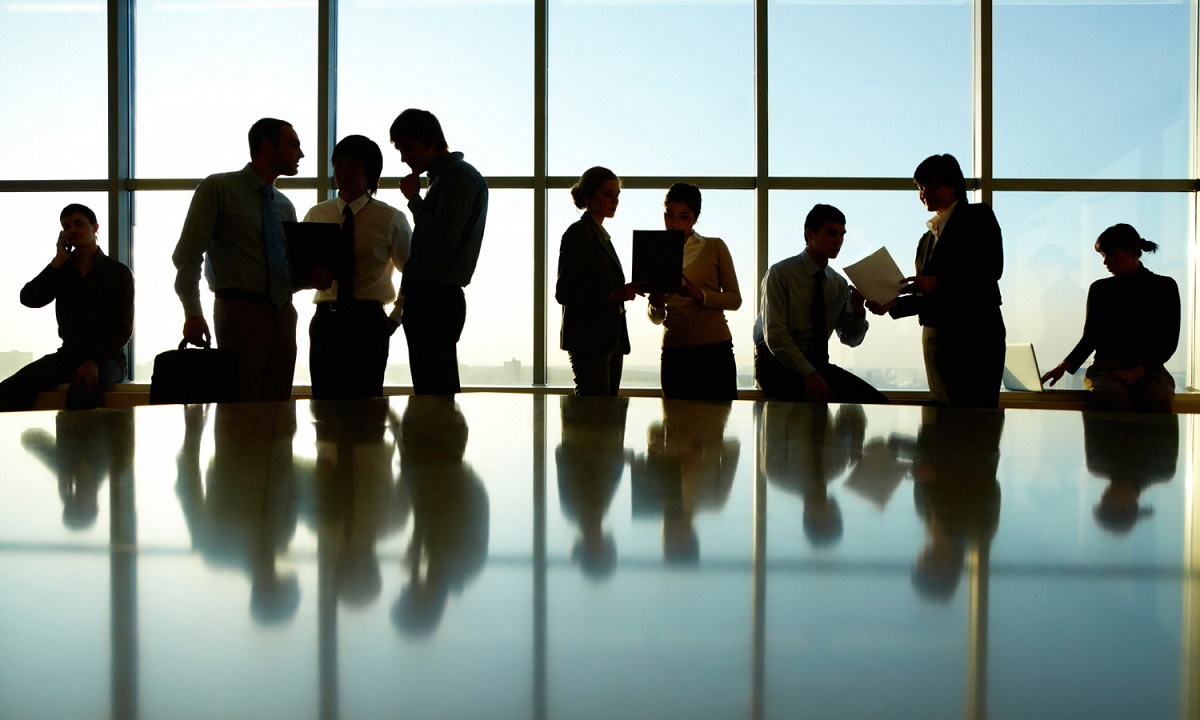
[[193, 375]]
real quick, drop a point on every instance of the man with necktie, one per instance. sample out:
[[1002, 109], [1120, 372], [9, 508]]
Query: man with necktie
[[350, 333], [803, 301], [234, 228]]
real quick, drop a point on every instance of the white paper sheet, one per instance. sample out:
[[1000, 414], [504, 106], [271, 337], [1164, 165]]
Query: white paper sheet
[[876, 276]]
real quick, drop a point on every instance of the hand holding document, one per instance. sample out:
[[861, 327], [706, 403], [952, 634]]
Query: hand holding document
[[876, 276]]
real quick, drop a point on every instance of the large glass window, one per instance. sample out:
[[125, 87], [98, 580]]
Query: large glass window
[[1088, 88], [54, 90], [206, 71], [469, 63], [651, 88], [867, 88]]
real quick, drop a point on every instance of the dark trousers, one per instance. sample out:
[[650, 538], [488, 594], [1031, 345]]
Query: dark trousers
[[348, 350], [434, 315], [964, 366], [781, 382], [1154, 392], [597, 374], [263, 337], [699, 372], [19, 391]]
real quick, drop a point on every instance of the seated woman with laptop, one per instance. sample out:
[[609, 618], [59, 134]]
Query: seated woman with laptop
[[1132, 324]]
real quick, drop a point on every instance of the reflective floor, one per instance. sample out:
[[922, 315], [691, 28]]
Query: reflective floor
[[529, 556]]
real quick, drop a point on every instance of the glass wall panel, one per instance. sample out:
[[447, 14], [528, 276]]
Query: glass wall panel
[[468, 62], [1088, 88], [32, 230], [890, 356], [53, 69], [727, 214], [868, 89], [651, 88], [206, 71], [1050, 261]]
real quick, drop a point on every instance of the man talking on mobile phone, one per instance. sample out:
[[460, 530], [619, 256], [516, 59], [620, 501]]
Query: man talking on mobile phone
[[93, 296]]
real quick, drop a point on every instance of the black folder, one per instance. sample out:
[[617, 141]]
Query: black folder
[[658, 260], [310, 244]]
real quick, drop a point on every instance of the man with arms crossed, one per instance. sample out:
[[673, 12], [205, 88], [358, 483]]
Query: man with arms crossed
[[93, 296], [447, 232], [803, 302], [234, 227], [350, 333]]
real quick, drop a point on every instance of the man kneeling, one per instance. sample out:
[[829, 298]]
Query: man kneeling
[[803, 302], [94, 295]]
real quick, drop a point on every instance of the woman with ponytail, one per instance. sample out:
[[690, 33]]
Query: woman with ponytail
[[1132, 324]]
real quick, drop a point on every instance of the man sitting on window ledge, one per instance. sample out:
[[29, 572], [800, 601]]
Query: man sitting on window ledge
[[94, 295]]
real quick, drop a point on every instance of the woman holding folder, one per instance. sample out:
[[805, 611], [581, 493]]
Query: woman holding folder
[[697, 347], [591, 288]]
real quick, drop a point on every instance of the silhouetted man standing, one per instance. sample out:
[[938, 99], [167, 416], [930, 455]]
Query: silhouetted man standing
[[234, 225], [447, 233]]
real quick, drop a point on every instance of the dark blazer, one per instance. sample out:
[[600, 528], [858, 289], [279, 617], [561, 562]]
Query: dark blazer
[[967, 261], [588, 271]]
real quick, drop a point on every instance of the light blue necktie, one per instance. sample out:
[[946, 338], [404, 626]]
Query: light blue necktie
[[279, 282]]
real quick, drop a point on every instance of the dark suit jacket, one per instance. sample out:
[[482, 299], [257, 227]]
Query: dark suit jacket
[[967, 261], [588, 271]]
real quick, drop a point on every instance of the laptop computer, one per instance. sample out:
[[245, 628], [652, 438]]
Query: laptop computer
[[1021, 371]]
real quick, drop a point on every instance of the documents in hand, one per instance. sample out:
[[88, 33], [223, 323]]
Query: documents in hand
[[876, 276], [310, 244]]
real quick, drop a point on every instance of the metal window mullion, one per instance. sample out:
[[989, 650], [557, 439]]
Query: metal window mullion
[[540, 190], [761, 154], [982, 90], [327, 63], [120, 142]]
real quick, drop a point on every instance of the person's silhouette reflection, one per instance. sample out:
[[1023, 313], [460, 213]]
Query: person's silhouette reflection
[[245, 513], [689, 466], [351, 503], [1132, 452], [85, 449], [449, 543], [955, 492], [590, 461], [802, 448]]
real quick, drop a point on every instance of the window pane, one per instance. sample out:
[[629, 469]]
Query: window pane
[[1092, 89], [26, 334], [868, 88], [158, 314], [205, 72], [1050, 262], [497, 342], [652, 88], [474, 72], [727, 214], [890, 356], [53, 68]]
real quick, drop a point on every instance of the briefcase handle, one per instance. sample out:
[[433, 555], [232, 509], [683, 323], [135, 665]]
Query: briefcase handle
[[206, 346]]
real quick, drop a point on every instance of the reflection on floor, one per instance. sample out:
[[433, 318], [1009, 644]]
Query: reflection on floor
[[509, 556]]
